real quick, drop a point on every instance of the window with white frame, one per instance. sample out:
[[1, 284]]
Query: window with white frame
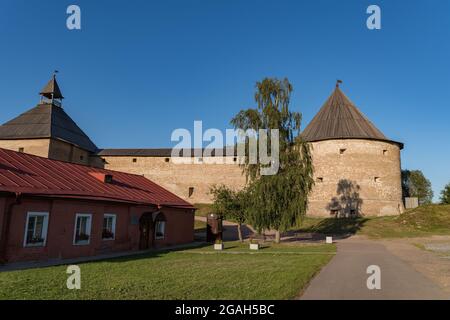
[[109, 227], [36, 229], [82, 233], [160, 229]]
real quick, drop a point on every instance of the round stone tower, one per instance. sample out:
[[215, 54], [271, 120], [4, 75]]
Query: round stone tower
[[356, 168]]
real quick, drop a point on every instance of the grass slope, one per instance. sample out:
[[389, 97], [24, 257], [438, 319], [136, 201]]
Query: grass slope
[[199, 226], [422, 221], [202, 209], [277, 272]]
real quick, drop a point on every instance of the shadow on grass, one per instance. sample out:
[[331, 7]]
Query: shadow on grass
[[244, 246], [338, 227], [230, 247], [152, 254]]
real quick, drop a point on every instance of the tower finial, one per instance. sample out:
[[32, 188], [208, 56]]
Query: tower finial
[[51, 92], [338, 82]]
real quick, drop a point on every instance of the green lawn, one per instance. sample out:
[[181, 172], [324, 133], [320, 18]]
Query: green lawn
[[202, 209], [275, 272], [422, 221], [199, 226]]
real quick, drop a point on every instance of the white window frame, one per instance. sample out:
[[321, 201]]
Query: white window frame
[[88, 227], [114, 216], [44, 229], [164, 230]]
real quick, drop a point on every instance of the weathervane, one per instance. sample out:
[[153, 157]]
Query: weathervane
[[338, 82]]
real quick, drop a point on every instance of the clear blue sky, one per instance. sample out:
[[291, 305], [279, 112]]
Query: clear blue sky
[[139, 69]]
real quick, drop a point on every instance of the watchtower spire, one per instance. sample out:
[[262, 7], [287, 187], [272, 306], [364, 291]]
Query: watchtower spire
[[51, 92]]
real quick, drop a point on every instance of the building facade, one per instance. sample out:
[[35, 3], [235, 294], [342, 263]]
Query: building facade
[[51, 210]]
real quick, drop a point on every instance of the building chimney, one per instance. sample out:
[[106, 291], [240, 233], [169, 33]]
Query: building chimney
[[103, 177]]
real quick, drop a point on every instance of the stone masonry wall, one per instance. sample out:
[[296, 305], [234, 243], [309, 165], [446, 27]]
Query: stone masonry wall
[[180, 177], [38, 147], [60, 150], [356, 176], [352, 176], [53, 149]]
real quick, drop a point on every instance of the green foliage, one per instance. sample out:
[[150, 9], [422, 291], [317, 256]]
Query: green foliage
[[229, 203], [415, 184], [277, 201], [445, 194]]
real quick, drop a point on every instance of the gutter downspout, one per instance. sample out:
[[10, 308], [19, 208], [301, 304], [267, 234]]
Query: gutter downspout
[[6, 225]]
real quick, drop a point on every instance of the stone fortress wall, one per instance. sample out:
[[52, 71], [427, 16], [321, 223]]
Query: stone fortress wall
[[190, 180], [38, 147], [352, 176], [355, 176], [52, 149]]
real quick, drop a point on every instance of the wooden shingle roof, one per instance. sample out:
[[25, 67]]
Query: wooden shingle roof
[[51, 90], [46, 121], [339, 118]]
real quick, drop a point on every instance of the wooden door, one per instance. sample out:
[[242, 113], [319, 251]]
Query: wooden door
[[146, 232]]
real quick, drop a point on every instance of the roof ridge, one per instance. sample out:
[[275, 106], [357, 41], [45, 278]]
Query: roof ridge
[[31, 174], [80, 132], [67, 162], [77, 164]]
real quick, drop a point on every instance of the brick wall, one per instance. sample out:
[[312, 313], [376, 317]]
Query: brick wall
[[61, 226]]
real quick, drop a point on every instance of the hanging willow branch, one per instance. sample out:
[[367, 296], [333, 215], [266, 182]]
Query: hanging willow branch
[[278, 201]]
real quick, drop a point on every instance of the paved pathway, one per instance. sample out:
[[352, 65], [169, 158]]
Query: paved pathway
[[345, 276]]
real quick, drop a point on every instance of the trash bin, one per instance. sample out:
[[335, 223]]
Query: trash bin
[[213, 227]]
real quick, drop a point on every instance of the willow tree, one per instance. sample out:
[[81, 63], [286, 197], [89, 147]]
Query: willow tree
[[277, 201]]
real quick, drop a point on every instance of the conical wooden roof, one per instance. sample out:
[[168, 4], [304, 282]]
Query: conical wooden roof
[[339, 118]]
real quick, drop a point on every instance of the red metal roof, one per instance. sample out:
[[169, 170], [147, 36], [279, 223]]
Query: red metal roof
[[33, 175]]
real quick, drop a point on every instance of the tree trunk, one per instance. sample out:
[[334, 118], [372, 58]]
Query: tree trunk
[[277, 236], [240, 232]]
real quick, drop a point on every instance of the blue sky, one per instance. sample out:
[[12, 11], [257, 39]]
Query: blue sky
[[137, 70]]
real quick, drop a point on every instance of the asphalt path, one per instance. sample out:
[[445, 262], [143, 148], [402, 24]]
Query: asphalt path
[[345, 277]]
